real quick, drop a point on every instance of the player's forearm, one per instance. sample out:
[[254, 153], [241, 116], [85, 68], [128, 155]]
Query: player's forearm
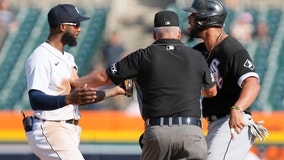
[[42, 101], [94, 79], [111, 92], [211, 92], [107, 93], [250, 91]]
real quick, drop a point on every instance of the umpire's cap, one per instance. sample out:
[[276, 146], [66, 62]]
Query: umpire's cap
[[64, 13], [166, 19]]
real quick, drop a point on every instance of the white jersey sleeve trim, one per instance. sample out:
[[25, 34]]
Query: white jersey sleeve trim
[[245, 76]]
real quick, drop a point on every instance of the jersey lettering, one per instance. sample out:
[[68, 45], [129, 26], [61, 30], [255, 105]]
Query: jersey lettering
[[113, 69], [214, 69]]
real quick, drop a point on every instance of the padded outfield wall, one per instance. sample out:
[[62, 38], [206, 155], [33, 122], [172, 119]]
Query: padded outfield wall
[[114, 134]]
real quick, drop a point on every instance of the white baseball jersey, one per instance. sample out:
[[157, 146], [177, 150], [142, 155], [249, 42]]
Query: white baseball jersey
[[49, 71]]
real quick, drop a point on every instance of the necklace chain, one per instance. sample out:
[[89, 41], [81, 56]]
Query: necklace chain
[[48, 41], [214, 45]]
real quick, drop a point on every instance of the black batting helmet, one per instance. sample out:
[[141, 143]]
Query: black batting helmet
[[210, 13]]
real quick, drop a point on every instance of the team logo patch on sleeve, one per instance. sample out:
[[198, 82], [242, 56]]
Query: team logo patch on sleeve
[[249, 64]]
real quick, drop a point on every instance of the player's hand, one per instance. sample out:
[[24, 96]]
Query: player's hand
[[236, 122], [119, 90], [81, 96]]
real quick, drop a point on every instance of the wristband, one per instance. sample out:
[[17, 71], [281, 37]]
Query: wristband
[[100, 95], [236, 108]]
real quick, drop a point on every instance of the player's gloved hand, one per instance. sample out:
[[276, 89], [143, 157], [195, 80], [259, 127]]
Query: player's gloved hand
[[128, 86], [258, 130]]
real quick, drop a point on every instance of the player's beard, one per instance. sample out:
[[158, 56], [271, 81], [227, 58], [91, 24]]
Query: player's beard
[[69, 39], [193, 33]]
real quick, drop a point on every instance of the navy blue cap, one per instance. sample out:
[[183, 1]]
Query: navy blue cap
[[64, 13]]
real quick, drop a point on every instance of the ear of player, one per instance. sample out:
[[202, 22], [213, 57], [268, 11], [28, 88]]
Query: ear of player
[[128, 86]]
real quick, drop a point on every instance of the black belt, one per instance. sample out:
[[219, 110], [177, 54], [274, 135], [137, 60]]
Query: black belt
[[70, 121], [173, 121], [214, 117]]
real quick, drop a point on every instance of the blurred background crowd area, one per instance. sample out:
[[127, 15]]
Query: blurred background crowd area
[[119, 27]]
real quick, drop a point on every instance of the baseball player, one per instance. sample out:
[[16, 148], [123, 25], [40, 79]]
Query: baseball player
[[169, 79], [55, 133], [228, 113]]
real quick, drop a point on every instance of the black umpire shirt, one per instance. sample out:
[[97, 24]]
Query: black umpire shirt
[[169, 78]]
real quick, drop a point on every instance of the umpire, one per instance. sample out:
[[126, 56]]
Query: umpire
[[169, 79]]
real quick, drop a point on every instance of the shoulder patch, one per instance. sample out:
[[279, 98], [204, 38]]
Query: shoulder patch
[[249, 64]]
